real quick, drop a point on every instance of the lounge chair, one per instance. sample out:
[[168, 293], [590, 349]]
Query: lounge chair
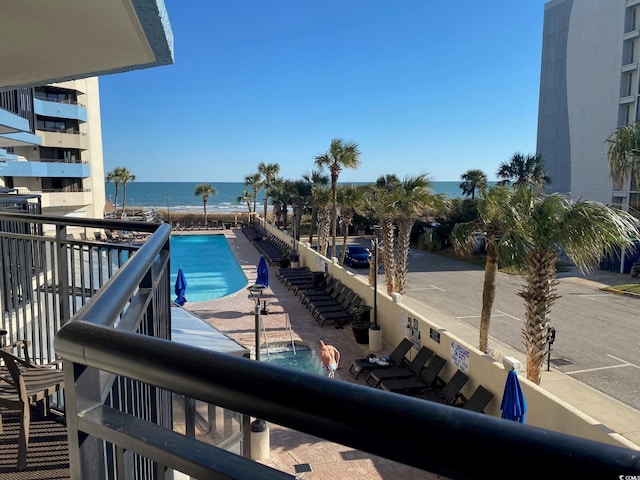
[[340, 316], [396, 359], [378, 375], [324, 290], [22, 384], [342, 301], [282, 273], [429, 377], [478, 400], [450, 393]]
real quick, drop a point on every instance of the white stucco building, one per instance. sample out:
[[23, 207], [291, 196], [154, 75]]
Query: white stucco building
[[589, 86]]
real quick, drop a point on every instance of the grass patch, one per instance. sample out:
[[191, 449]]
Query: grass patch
[[626, 288]]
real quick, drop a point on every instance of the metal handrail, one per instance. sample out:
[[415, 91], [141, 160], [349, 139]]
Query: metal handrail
[[422, 434], [111, 340]]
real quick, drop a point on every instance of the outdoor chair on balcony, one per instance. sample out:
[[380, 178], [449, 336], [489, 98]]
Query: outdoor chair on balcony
[[24, 384]]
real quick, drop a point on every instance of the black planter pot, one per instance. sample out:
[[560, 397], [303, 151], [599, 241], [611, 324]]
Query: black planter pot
[[284, 263], [361, 333]]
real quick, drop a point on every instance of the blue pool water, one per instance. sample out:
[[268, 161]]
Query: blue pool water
[[208, 264], [303, 359]]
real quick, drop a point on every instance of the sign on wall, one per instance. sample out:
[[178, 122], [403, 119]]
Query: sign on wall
[[434, 335], [460, 357], [415, 332]]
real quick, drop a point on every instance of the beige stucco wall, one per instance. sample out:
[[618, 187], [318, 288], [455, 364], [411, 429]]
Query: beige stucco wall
[[544, 409]]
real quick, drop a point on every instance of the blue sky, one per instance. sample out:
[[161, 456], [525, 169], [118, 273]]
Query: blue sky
[[423, 86]]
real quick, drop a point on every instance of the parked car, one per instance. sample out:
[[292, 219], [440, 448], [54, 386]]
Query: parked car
[[357, 256]]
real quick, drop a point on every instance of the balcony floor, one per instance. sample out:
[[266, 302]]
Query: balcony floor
[[48, 456]]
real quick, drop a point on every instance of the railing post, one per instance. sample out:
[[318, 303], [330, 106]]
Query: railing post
[[63, 275]]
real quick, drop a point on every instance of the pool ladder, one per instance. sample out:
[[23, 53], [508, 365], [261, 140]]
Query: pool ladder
[[288, 329]]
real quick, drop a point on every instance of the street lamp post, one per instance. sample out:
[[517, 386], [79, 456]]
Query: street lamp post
[[255, 291], [259, 444], [375, 334]]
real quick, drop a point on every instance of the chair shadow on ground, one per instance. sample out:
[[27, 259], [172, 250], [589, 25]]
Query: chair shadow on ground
[[47, 446]]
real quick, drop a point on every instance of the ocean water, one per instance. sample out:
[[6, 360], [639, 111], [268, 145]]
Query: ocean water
[[180, 196]]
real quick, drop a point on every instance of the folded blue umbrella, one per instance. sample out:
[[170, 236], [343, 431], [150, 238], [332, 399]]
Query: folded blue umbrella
[[263, 273], [180, 288], [514, 405]]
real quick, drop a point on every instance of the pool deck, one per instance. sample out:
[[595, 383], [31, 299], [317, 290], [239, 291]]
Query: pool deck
[[234, 316]]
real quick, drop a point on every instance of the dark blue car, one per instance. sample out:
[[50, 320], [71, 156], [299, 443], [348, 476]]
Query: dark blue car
[[357, 256]]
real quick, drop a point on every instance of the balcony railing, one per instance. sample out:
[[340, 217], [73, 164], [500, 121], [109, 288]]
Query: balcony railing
[[110, 309], [70, 131]]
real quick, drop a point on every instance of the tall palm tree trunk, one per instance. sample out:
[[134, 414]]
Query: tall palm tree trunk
[[124, 200], [539, 295], [404, 239], [388, 256], [488, 294], [334, 212], [314, 219]]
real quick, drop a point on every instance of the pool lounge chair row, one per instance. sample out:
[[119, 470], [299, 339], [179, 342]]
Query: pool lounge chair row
[[332, 301], [324, 296], [420, 378], [271, 247]]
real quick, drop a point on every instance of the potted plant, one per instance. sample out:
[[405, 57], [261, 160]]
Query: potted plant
[[361, 322], [294, 258], [284, 258]]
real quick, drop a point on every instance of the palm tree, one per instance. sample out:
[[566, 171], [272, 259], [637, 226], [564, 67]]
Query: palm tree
[[349, 199], [521, 169], [415, 197], [125, 177], [623, 153], [473, 180], [206, 190], [381, 204], [114, 177], [341, 154], [535, 228], [268, 172], [254, 182], [493, 208], [323, 207], [279, 201], [317, 181], [245, 197]]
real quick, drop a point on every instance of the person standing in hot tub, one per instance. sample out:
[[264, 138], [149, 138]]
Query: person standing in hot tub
[[330, 358]]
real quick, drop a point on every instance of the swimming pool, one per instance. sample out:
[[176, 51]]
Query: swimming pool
[[304, 358], [209, 266]]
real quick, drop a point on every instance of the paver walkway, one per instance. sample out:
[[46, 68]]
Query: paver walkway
[[234, 316]]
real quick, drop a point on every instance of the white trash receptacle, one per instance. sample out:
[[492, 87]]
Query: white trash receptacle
[[259, 440]]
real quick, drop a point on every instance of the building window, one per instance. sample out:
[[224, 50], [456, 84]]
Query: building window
[[626, 84], [57, 125], [623, 115], [628, 54], [67, 155], [51, 94], [630, 19]]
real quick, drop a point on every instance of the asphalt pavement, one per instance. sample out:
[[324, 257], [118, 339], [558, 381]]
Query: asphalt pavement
[[596, 328]]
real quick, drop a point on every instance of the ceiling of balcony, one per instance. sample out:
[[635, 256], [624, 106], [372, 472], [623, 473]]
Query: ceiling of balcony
[[52, 41]]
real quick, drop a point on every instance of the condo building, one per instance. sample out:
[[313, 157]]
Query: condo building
[[589, 86], [52, 154]]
